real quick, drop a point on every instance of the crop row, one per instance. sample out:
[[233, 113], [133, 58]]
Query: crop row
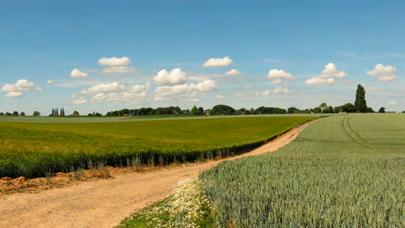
[[34, 150]]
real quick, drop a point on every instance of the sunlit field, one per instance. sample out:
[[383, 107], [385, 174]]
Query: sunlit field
[[342, 171], [346, 170], [33, 147]]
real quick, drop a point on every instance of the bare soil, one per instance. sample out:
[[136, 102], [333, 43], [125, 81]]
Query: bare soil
[[108, 198]]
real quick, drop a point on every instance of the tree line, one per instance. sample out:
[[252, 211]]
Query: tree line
[[359, 106]]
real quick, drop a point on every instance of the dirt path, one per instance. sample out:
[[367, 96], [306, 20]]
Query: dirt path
[[104, 203]]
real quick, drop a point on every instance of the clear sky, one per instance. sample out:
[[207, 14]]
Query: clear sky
[[104, 55]]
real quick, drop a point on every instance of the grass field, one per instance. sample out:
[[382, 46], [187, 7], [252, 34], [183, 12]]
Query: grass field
[[342, 171], [33, 147]]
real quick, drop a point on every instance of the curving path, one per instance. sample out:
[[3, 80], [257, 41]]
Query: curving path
[[104, 203]]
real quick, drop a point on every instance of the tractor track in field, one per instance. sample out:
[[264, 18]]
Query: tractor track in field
[[350, 132], [106, 202]]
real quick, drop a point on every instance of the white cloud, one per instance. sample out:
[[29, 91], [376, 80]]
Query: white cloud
[[105, 87], [281, 91], [80, 101], [277, 91], [49, 82], [328, 76], [114, 61], [383, 73], [218, 62], [277, 76], [219, 96], [320, 81], [116, 65], [116, 92], [172, 77], [232, 72], [186, 91], [372, 89], [17, 89], [76, 73]]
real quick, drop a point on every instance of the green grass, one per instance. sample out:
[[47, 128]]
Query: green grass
[[33, 147], [342, 171]]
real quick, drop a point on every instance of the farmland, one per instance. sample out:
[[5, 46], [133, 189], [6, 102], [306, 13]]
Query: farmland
[[34, 147], [342, 171]]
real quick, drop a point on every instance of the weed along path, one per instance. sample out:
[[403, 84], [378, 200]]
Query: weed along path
[[105, 202]]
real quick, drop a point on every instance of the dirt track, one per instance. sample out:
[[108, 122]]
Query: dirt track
[[104, 203]]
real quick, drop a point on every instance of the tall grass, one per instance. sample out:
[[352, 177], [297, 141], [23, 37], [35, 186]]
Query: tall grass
[[38, 149], [343, 171]]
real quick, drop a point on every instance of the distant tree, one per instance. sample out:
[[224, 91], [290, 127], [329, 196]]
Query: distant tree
[[323, 107], [292, 110], [360, 105], [317, 110], [76, 113], [15, 113], [8, 114], [270, 110], [222, 110], [197, 111], [381, 110], [194, 110], [1, 113], [62, 112], [36, 113], [370, 110], [22, 114]]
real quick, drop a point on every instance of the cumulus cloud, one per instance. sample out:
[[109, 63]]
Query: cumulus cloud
[[76, 73], [218, 62], [185, 91], [172, 77], [80, 101], [116, 92], [232, 72], [49, 82], [114, 61], [329, 75], [383, 73], [17, 89], [277, 76], [116, 65], [105, 87], [277, 91]]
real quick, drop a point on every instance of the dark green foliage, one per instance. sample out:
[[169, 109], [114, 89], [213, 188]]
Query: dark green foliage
[[270, 110], [22, 114], [218, 110], [381, 110], [197, 111], [36, 113], [348, 108], [360, 105]]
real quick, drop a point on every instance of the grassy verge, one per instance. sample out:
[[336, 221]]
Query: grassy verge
[[186, 207]]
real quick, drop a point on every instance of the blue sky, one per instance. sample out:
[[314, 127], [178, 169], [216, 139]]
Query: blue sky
[[104, 55]]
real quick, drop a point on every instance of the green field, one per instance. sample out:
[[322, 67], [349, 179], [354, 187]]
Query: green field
[[33, 147], [342, 171]]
